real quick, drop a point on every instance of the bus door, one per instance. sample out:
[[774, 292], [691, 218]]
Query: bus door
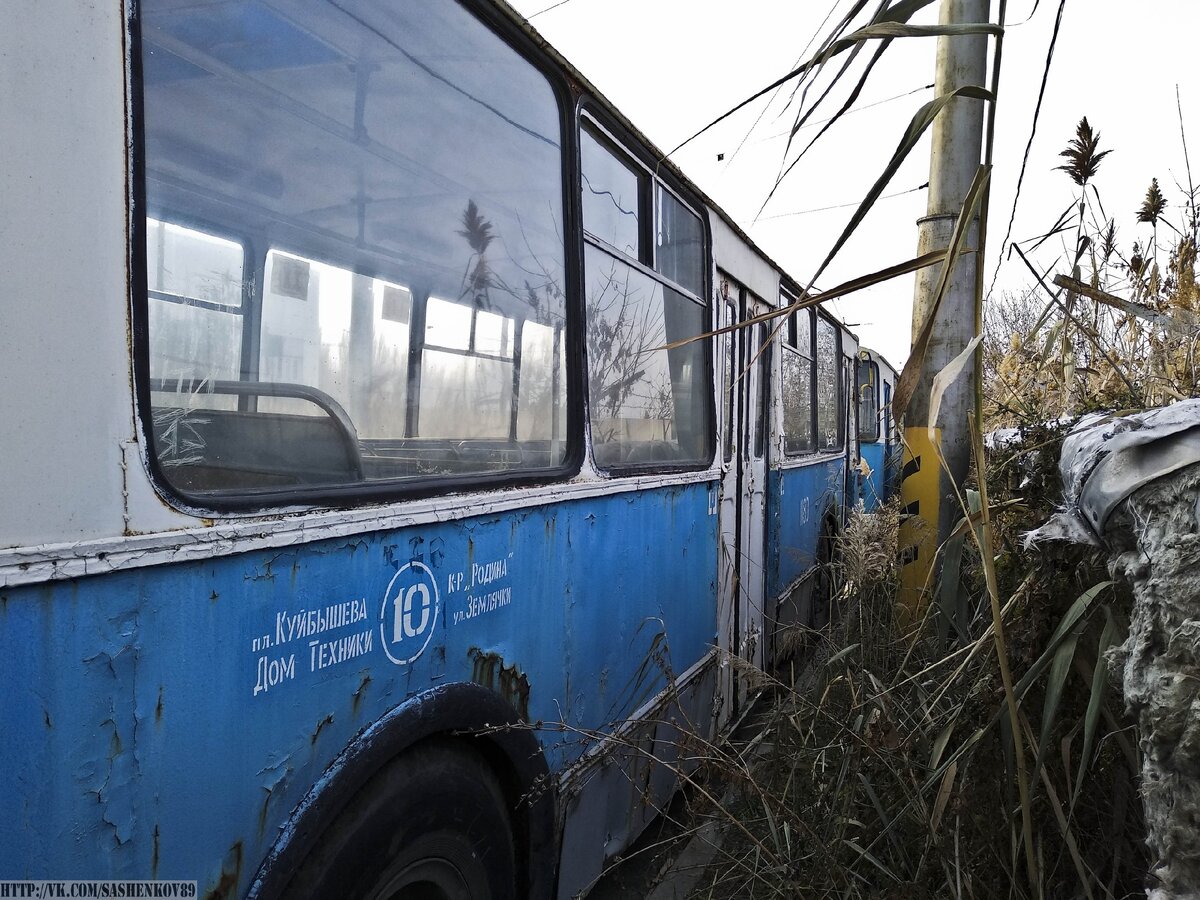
[[890, 473], [754, 384], [743, 486]]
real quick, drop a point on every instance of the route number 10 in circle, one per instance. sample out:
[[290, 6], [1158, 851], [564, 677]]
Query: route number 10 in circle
[[409, 613], [415, 596]]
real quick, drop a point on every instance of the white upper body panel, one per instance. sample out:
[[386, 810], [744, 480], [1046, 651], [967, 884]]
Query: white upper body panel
[[734, 256], [64, 359]]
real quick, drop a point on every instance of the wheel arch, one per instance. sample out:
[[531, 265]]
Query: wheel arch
[[461, 711]]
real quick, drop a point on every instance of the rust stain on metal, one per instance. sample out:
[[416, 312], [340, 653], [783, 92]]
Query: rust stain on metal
[[226, 887], [154, 857], [158, 707], [328, 720], [489, 670], [262, 812], [358, 694]]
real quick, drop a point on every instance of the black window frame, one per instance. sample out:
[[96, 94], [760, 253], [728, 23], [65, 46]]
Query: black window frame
[[256, 249], [630, 150]]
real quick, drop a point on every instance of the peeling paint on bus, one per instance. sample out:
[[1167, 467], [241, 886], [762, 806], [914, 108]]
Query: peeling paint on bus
[[304, 666]]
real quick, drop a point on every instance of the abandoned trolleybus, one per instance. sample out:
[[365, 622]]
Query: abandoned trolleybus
[[351, 496]]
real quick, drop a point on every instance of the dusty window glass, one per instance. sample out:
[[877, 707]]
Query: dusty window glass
[[889, 425], [447, 324], [828, 412], [611, 197], [868, 401], [195, 282], [727, 385], [395, 305], [540, 411], [798, 434], [679, 242], [647, 405], [761, 348], [848, 412], [797, 403]]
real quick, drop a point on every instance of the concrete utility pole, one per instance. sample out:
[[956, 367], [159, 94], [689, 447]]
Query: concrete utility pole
[[930, 504]]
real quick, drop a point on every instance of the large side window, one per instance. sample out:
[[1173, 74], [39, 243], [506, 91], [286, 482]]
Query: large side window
[[355, 248], [798, 382], [830, 425], [868, 401], [649, 406]]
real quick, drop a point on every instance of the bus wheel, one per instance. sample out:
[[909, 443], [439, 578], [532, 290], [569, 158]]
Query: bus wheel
[[432, 825]]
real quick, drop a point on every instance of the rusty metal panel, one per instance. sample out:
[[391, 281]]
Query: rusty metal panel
[[165, 721]]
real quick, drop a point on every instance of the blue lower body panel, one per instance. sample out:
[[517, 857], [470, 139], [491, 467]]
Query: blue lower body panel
[[884, 463], [165, 721], [874, 491], [798, 501]]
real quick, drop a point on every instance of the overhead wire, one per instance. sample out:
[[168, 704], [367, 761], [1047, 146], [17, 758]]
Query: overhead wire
[[805, 212], [548, 8], [762, 112], [1037, 112], [848, 112]]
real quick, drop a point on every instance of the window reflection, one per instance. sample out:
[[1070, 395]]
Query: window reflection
[[679, 245], [829, 435], [868, 392], [648, 404], [611, 197], [382, 294], [798, 384]]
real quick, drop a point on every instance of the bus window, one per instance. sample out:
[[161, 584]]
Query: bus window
[[888, 421], [381, 282], [466, 391], [761, 347], [829, 419], [612, 193], [729, 311], [679, 244], [194, 284], [868, 401], [847, 411], [798, 383], [648, 405]]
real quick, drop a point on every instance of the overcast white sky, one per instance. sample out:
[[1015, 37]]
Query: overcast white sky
[[672, 65]]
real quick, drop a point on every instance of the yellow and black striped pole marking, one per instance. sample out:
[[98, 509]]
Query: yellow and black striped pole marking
[[920, 500]]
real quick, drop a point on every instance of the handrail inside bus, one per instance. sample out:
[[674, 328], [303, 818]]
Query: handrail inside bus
[[346, 430]]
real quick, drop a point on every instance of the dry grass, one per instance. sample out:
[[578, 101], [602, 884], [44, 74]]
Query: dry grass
[[888, 769]]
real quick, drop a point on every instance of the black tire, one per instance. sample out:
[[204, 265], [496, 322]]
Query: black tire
[[432, 825]]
